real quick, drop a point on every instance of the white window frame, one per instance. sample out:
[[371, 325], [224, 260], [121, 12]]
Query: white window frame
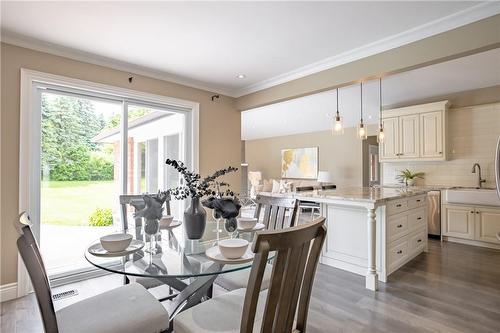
[[30, 136]]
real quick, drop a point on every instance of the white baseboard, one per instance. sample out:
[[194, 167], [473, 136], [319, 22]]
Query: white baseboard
[[8, 291], [471, 242]]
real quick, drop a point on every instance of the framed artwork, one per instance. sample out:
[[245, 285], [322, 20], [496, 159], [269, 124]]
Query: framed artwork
[[299, 163]]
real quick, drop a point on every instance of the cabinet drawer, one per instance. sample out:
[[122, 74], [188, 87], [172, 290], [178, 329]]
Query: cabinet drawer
[[397, 227], [417, 242], [397, 206], [417, 219], [417, 201], [398, 253]]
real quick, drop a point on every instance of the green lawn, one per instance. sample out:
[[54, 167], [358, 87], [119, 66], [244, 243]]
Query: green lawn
[[72, 202]]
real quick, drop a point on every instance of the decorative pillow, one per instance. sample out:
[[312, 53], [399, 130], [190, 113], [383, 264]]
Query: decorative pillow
[[285, 186], [267, 185], [276, 187]]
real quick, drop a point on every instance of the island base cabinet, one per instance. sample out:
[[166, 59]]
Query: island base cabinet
[[401, 235], [474, 225]]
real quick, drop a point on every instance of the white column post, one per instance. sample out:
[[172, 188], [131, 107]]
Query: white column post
[[371, 275]]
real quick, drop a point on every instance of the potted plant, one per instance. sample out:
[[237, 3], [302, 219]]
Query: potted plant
[[195, 187], [408, 177]]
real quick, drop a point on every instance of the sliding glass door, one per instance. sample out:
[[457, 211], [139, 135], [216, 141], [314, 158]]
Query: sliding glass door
[[93, 148]]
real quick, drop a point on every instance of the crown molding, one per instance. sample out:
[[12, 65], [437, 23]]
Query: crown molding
[[446, 23], [453, 21], [10, 37]]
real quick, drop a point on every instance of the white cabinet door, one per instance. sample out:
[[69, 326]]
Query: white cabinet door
[[458, 221], [409, 135], [431, 135], [390, 147], [487, 224]]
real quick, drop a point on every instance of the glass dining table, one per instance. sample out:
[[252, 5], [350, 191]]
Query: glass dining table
[[175, 261]]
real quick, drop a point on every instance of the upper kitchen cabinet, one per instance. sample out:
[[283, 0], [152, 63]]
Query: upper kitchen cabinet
[[415, 133]]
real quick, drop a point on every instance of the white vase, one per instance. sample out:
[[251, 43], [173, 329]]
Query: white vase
[[410, 182]]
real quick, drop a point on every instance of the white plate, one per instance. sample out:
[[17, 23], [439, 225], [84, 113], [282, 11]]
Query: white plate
[[98, 251], [174, 224], [258, 226], [214, 254]]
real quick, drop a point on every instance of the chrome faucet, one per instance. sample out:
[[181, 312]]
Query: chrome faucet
[[479, 180]]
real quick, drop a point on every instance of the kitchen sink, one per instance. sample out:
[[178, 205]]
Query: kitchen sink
[[473, 196]]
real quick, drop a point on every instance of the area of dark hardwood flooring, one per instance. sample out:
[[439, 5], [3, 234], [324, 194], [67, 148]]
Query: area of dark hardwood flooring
[[452, 288]]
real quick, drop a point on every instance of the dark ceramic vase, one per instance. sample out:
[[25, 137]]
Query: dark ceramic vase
[[195, 219]]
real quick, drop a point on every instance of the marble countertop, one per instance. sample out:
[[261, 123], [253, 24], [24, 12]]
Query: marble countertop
[[362, 194], [420, 187]]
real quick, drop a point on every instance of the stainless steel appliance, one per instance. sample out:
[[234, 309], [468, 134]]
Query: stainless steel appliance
[[434, 214], [497, 167]]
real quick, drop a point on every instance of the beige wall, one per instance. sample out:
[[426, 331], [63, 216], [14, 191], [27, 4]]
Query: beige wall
[[219, 127], [341, 155], [460, 99], [472, 134], [472, 38]]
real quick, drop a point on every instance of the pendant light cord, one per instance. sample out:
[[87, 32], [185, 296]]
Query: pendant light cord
[[380, 98], [361, 85], [338, 102]]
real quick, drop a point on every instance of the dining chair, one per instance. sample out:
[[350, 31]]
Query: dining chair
[[130, 308], [278, 213], [284, 306], [304, 204]]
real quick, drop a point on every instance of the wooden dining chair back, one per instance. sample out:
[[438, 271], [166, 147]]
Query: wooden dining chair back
[[278, 212], [137, 202], [297, 252], [30, 253]]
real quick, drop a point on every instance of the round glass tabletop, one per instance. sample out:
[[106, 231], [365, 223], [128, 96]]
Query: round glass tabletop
[[175, 257]]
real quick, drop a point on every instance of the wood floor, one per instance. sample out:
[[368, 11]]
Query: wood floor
[[453, 288]]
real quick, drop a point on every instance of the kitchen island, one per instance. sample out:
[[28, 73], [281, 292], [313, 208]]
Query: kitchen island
[[372, 231]]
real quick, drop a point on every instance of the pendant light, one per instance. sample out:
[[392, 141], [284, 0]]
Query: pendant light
[[362, 130], [381, 134], [338, 126]]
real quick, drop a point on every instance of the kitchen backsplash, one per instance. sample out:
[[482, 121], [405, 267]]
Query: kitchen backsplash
[[472, 136]]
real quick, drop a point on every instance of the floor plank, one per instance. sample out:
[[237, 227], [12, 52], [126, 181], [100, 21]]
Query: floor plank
[[452, 288]]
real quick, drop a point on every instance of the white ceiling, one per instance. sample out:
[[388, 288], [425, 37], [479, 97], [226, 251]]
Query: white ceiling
[[315, 112], [206, 44]]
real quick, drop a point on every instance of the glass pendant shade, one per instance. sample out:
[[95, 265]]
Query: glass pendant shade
[[381, 135], [362, 132], [338, 125], [338, 122]]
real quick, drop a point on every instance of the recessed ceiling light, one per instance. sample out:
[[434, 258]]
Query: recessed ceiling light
[[241, 76]]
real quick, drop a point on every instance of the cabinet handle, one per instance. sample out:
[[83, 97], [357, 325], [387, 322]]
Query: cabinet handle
[[398, 205], [400, 251], [472, 212], [418, 200], [419, 218], [419, 241], [477, 212], [400, 225], [440, 153]]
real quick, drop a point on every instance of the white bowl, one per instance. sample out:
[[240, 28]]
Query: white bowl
[[247, 223], [116, 242], [233, 248], [166, 220]]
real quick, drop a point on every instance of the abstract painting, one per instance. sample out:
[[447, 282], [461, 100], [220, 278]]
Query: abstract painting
[[299, 163]]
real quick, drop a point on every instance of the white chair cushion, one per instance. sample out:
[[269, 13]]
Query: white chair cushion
[[239, 279], [220, 314], [127, 309]]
